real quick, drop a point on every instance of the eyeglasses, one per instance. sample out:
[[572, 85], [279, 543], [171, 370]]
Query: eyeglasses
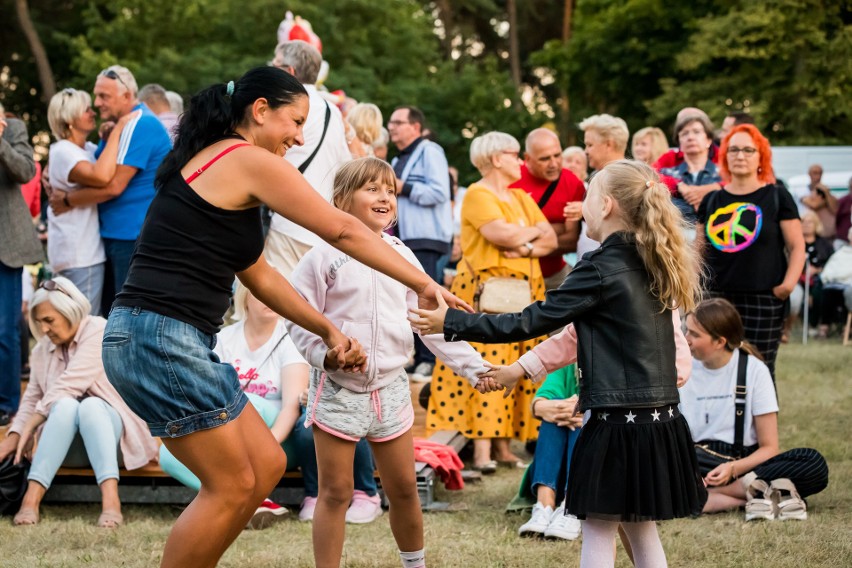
[[734, 150], [112, 74], [398, 122], [52, 286]]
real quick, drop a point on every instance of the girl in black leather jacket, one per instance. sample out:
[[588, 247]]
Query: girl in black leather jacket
[[634, 462]]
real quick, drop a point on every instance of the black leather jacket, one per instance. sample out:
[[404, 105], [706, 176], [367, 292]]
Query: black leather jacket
[[625, 340]]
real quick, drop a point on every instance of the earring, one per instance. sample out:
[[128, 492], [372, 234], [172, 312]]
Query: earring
[[759, 170]]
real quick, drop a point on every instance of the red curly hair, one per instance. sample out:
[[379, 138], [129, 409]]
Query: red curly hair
[[764, 172]]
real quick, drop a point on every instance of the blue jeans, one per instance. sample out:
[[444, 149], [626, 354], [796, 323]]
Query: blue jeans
[[10, 338], [362, 467], [100, 428], [429, 260], [550, 466], [118, 253], [90, 281]]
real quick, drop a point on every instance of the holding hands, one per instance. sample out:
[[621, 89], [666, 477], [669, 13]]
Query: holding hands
[[345, 353], [504, 376], [431, 321]]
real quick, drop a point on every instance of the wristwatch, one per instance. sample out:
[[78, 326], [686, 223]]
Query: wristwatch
[[530, 248]]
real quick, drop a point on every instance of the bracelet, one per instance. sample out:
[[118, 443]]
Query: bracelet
[[65, 201], [733, 473]]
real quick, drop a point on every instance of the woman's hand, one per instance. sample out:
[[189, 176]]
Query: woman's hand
[[506, 376], [720, 475], [429, 322], [573, 211], [426, 299], [58, 202], [559, 412], [782, 291], [25, 446], [9, 445], [303, 397]]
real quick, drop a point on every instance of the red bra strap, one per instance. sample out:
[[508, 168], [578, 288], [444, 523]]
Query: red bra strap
[[200, 170]]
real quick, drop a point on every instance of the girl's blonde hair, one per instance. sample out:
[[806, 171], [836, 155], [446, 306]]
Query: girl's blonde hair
[[818, 226], [720, 319], [647, 210], [659, 144], [366, 119], [355, 174], [66, 299], [241, 294]]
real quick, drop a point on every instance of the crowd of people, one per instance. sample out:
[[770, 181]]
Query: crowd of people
[[270, 181]]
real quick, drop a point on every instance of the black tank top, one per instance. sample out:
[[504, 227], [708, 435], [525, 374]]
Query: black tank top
[[187, 254]]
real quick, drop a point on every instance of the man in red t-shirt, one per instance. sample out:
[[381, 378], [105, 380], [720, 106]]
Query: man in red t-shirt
[[542, 167]]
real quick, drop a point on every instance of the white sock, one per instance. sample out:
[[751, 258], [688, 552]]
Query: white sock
[[416, 559]]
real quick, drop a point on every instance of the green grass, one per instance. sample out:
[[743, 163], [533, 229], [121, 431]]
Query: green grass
[[814, 384]]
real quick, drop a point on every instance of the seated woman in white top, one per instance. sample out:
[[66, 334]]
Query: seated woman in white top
[[74, 246], [70, 407], [770, 484]]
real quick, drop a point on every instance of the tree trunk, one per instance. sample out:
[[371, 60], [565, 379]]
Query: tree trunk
[[514, 55], [45, 73], [564, 125], [445, 12]]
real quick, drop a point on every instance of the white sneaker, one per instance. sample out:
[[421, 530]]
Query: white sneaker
[[422, 373], [538, 522], [566, 527]]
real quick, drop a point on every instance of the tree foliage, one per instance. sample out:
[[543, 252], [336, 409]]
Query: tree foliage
[[789, 62]]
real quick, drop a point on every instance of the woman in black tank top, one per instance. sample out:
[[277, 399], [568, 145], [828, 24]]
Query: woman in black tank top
[[202, 229]]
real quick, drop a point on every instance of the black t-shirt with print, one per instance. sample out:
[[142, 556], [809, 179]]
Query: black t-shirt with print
[[745, 250]]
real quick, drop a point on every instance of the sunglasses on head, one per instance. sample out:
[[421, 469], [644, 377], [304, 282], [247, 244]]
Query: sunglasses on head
[[112, 74], [52, 286]]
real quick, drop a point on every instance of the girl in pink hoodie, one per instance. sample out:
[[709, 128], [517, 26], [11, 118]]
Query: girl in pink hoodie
[[375, 401]]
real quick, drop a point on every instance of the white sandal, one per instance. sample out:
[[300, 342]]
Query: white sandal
[[759, 507], [790, 505]]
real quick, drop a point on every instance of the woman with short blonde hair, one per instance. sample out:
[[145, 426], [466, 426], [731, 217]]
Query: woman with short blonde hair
[[74, 248], [503, 233], [649, 143], [363, 128]]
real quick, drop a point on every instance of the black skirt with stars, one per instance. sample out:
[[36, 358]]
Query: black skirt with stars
[[635, 465]]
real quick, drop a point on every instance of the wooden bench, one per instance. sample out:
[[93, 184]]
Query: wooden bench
[[151, 484]]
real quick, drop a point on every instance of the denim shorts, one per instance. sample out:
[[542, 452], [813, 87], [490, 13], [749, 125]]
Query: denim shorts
[[167, 373]]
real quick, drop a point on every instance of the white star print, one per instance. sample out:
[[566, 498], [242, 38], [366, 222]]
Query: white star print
[[656, 415], [603, 416], [630, 416], [671, 412]]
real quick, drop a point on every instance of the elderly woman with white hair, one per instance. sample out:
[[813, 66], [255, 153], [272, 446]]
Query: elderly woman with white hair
[[74, 246], [70, 406], [503, 233]]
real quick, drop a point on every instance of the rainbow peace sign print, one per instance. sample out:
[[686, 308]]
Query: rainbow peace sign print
[[734, 227]]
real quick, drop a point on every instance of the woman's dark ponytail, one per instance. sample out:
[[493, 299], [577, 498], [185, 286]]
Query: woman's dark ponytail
[[213, 114], [720, 318]]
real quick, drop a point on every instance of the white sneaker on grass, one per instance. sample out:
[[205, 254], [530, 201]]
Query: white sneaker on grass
[[538, 523], [422, 373], [566, 527]]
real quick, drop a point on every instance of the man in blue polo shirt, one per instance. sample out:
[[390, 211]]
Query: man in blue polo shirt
[[123, 203]]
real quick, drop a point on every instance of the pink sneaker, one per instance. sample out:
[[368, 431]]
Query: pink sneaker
[[307, 511], [364, 509], [266, 515]]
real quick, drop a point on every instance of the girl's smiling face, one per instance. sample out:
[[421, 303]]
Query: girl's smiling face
[[374, 204]]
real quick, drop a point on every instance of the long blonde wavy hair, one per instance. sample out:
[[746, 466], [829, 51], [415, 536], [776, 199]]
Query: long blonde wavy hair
[[646, 208]]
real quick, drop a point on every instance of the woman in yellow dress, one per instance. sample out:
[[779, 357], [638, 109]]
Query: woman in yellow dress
[[503, 233]]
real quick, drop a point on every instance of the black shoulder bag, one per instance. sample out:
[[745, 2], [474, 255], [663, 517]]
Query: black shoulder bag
[[545, 197], [712, 454], [13, 484]]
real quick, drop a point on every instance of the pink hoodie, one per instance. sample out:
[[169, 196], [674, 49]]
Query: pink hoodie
[[372, 308], [561, 350]]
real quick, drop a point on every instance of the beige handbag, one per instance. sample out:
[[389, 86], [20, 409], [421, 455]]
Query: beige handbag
[[502, 295]]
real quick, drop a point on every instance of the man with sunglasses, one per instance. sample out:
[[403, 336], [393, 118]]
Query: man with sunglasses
[[123, 203], [18, 246]]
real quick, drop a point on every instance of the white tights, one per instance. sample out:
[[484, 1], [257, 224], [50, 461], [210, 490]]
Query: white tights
[[598, 537]]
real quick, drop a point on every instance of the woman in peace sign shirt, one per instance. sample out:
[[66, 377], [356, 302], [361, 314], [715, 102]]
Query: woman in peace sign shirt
[[754, 248]]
